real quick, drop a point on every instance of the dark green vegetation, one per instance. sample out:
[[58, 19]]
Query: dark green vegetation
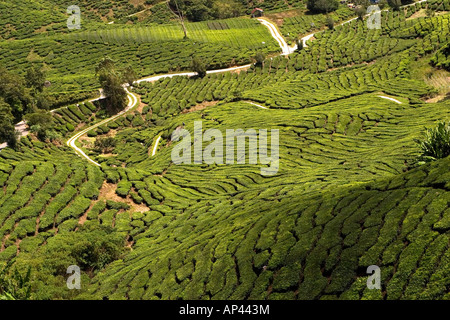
[[436, 143], [13, 285], [202, 10], [322, 6], [348, 193], [111, 80], [70, 59]]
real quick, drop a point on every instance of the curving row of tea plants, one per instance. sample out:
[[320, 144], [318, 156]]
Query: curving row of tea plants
[[347, 193]]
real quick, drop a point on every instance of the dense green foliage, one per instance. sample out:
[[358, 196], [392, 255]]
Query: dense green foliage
[[200, 10], [14, 285], [322, 5], [436, 143], [149, 49], [111, 81], [349, 107]]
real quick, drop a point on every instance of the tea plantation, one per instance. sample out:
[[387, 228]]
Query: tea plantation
[[349, 192]]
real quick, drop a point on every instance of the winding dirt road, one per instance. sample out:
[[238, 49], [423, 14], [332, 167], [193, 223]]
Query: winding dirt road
[[132, 101], [285, 50]]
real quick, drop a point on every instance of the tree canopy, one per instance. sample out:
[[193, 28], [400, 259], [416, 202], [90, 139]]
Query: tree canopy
[[111, 80], [200, 10], [322, 6]]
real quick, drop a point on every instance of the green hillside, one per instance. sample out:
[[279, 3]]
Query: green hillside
[[349, 192]]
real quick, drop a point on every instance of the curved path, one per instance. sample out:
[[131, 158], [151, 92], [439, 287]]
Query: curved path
[[285, 48], [156, 145], [277, 36], [132, 101]]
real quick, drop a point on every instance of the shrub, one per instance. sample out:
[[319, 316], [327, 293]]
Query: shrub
[[116, 205], [436, 143], [92, 133], [70, 127], [14, 285], [330, 23], [105, 145], [199, 67], [123, 187], [259, 58]]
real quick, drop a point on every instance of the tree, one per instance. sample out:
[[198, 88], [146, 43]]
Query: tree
[[35, 78], [225, 9], [91, 247], [299, 43], [105, 145], [14, 93], [105, 65], [111, 82], [259, 58], [330, 23], [322, 6], [129, 75], [200, 10], [181, 18], [199, 67], [395, 4], [7, 129], [41, 123], [41, 117], [360, 12]]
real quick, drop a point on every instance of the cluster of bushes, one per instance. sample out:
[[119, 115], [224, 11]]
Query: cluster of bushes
[[200, 10], [91, 248]]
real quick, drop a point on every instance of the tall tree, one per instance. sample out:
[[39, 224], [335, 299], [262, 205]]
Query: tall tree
[[35, 78], [181, 18], [111, 82], [7, 129], [14, 93], [259, 58], [129, 75], [198, 66]]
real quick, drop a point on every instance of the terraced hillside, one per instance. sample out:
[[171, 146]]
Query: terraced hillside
[[348, 192], [150, 49]]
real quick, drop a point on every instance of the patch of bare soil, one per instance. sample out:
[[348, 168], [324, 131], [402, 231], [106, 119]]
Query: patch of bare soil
[[164, 172], [419, 14], [200, 106], [107, 155], [108, 192], [111, 133], [44, 28], [278, 17], [140, 107], [18, 241], [86, 141], [79, 126], [129, 242], [441, 81], [437, 98], [137, 2], [4, 242], [83, 218]]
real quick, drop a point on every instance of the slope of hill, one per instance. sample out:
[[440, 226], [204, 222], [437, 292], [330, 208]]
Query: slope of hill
[[347, 193]]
